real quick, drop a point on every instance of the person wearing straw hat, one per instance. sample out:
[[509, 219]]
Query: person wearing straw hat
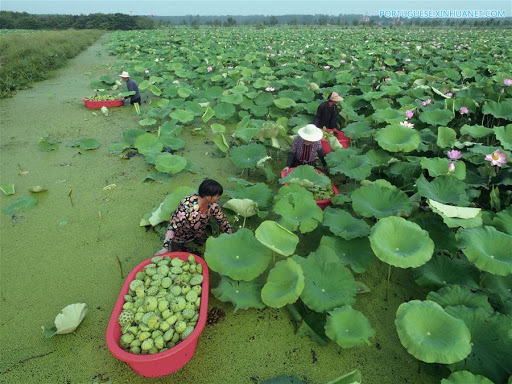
[[306, 147], [327, 112], [132, 86]]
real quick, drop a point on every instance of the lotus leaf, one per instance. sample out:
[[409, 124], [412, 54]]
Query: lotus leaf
[[397, 138], [37, 189], [46, 143], [21, 205], [165, 162], [357, 167], [352, 377], [466, 377], [343, 224], [224, 111], [401, 243], [247, 156], [444, 239], [477, 131], [502, 110], [147, 121], [285, 379], [327, 284], [241, 294], [234, 98], [260, 193], [309, 323], [277, 238], [239, 256], [356, 252], [443, 189], [457, 295], [380, 201], [504, 135], [488, 248], [358, 129], [284, 285], [208, 114], [503, 220], [284, 103], [148, 143], [451, 211], [446, 137], [388, 115], [491, 342], [218, 128], [437, 117], [221, 142], [340, 199], [307, 172], [242, 207], [7, 189], [168, 206], [130, 135], [118, 148], [182, 115], [439, 166], [348, 327], [67, 320], [298, 212], [430, 334]]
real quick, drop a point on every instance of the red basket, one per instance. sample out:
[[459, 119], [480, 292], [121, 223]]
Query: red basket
[[321, 203], [167, 362], [103, 103], [344, 140]]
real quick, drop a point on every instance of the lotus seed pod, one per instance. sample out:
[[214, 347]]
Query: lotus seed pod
[[157, 259], [185, 267], [166, 314], [171, 320], [196, 280], [135, 350], [188, 313], [191, 296], [176, 262], [180, 316], [185, 277], [134, 284], [182, 303], [168, 334], [198, 302], [192, 268], [141, 275], [127, 338], [150, 303], [141, 309], [192, 323], [165, 261], [147, 281], [175, 290], [154, 322], [170, 297], [138, 316], [156, 333], [144, 327], [166, 282], [147, 344], [139, 291], [144, 335], [185, 289], [125, 317], [164, 326], [197, 289], [170, 345], [146, 317], [152, 291], [186, 333], [195, 318], [138, 302], [153, 351], [150, 271], [128, 298], [136, 343], [159, 342], [176, 270], [199, 268], [157, 276], [180, 326], [132, 330], [191, 259], [175, 337], [163, 305]]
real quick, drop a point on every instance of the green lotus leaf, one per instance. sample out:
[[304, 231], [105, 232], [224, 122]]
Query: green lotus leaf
[[208, 114], [239, 256], [292, 189], [246, 134], [356, 252], [260, 193], [308, 323], [504, 135], [352, 377], [457, 295], [444, 239], [284, 103], [307, 172], [284, 285], [499, 288], [358, 129], [213, 92], [242, 207], [401, 243], [184, 92], [348, 327], [441, 271], [357, 167], [37, 189], [285, 379], [7, 189], [117, 148], [437, 166], [491, 341], [477, 131], [148, 143], [487, 248], [165, 162], [397, 138], [437, 117], [224, 111], [168, 206], [446, 137], [21, 205], [277, 238], [451, 211], [298, 212], [264, 99], [430, 334], [379, 201], [182, 115], [154, 90], [388, 115], [233, 98], [339, 199], [343, 224], [172, 142], [221, 142], [247, 156], [465, 377], [218, 128], [47, 143], [503, 220], [443, 189], [130, 135], [502, 110], [327, 285], [147, 121], [242, 294], [88, 144]]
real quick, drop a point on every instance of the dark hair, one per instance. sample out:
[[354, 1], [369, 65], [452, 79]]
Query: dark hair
[[210, 187], [329, 97]]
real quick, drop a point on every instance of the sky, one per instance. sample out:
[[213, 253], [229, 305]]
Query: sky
[[246, 7]]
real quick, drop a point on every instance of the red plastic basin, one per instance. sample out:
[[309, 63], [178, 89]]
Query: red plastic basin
[[167, 362], [321, 203], [344, 140], [104, 103]]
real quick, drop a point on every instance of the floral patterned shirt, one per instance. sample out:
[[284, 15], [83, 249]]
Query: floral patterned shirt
[[188, 223]]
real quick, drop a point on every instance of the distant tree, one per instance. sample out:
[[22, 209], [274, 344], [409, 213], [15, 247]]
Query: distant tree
[[273, 21], [355, 22], [230, 22], [293, 22]]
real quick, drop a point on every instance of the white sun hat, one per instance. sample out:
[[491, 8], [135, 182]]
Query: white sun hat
[[310, 132], [335, 97], [124, 74]]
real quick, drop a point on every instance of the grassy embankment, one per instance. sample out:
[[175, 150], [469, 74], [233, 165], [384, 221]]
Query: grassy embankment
[[27, 58]]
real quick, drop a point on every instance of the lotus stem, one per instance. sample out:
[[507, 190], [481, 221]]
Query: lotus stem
[[243, 225], [387, 283], [120, 267]]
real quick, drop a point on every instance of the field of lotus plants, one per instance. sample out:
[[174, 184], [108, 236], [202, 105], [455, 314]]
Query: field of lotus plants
[[425, 184]]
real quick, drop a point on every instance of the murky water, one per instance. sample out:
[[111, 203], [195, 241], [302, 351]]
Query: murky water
[[64, 251]]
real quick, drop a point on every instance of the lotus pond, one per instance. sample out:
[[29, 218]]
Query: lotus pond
[[406, 277]]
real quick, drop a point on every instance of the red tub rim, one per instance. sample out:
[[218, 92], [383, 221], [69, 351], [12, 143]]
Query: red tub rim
[[103, 103]]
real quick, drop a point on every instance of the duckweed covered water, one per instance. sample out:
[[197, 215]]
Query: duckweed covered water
[[64, 251]]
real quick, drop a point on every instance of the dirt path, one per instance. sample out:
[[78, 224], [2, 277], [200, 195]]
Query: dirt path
[[64, 251]]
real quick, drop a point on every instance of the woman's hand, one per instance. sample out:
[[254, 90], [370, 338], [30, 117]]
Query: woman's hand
[[286, 169], [161, 252]]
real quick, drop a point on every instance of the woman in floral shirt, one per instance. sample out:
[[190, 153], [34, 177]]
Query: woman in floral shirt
[[188, 222]]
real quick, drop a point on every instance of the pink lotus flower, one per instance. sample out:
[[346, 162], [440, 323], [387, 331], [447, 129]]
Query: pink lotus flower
[[270, 89], [387, 79], [449, 94], [451, 167], [342, 61], [409, 114], [269, 47], [406, 124], [497, 158], [146, 71], [426, 102], [327, 67], [300, 50], [507, 82], [383, 67], [463, 110], [454, 155], [209, 69], [272, 55]]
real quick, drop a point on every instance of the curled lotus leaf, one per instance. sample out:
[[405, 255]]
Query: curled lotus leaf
[[380, 201], [307, 172], [247, 156], [67, 320], [430, 334], [358, 129], [355, 252], [446, 137], [348, 327], [503, 220], [182, 115], [502, 110], [239, 256], [488, 248], [168, 206], [298, 212], [147, 121], [401, 243], [242, 207], [451, 211], [438, 166], [466, 377], [343, 224], [443, 189], [476, 131], [277, 238], [457, 295], [7, 189], [260, 193], [168, 163], [37, 189], [504, 135], [284, 284], [242, 294], [397, 138]]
